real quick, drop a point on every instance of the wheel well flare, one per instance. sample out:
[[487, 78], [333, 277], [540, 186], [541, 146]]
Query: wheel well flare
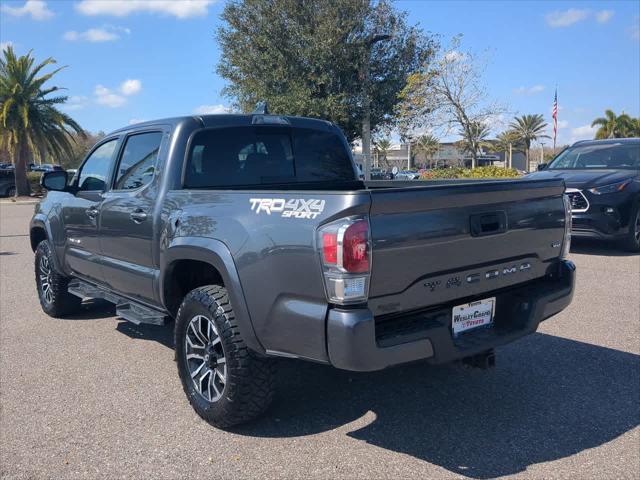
[[36, 235], [182, 276]]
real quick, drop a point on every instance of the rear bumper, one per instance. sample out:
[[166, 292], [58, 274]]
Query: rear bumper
[[358, 341]]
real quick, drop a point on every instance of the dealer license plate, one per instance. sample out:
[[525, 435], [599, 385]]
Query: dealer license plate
[[472, 315]]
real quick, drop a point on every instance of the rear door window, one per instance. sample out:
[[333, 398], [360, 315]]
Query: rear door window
[[248, 156], [138, 161]]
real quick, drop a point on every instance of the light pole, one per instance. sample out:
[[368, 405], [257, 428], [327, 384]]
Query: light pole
[[366, 103], [542, 152]]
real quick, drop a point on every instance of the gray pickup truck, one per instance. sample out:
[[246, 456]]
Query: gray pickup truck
[[255, 234]]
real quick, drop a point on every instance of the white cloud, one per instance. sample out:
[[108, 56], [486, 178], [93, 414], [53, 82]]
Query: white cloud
[[563, 124], [211, 109], [107, 97], [130, 87], [133, 121], [103, 34], [522, 90], [586, 132], [76, 103], [37, 9], [453, 56], [566, 18], [122, 8], [603, 16], [4, 45]]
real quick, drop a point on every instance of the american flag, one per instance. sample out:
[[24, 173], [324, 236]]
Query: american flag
[[554, 114]]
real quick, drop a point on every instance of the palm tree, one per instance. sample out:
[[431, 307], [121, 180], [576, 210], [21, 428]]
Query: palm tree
[[612, 125], [31, 123], [528, 129], [634, 127], [427, 145], [507, 141], [474, 138], [382, 148]]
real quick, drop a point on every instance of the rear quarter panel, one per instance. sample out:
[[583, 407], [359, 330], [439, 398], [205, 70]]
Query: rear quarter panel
[[275, 257]]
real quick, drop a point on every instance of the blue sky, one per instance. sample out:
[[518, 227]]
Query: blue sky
[[141, 59]]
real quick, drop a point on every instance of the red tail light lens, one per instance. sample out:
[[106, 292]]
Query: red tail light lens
[[344, 247], [355, 247], [330, 248]]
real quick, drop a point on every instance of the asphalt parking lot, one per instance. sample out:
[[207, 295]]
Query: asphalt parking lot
[[94, 397]]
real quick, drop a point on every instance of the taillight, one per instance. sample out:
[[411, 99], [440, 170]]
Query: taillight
[[330, 248], [355, 247], [345, 249]]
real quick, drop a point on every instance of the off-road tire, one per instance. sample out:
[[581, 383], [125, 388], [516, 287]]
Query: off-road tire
[[249, 387], [59, 302], [631, 242]]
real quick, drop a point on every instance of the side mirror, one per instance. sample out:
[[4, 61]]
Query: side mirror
[[55, 180], [542, 166]]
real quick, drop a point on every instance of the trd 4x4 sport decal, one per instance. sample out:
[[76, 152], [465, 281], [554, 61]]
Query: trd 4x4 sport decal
[[292, 208]]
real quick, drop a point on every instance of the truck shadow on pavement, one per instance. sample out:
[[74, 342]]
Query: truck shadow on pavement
[[162, 334], [94, 309], [585, 246], [547, 399]]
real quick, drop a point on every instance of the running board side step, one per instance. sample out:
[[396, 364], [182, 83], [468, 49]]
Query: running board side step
[[128, 309]]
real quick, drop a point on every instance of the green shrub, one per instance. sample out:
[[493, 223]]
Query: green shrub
[[34, 182], [480, 172]]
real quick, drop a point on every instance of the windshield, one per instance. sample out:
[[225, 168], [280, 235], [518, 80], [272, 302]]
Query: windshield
[[604, 155]]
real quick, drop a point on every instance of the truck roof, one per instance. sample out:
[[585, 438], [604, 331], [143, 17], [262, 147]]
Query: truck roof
[[233, 120]]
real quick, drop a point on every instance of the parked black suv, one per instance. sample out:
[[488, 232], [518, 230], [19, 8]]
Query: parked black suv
[[7, 182], [603, 183]]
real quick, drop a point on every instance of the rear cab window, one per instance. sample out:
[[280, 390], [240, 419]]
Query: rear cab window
[[249, 156]]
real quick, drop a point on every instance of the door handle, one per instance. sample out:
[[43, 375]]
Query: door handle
[[92, 212], [138, 216]]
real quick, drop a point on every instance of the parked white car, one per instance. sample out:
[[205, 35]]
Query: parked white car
[[407, 175]]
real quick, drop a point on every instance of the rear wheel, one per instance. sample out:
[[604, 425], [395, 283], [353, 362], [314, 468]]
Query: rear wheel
[[11, 191], [52, 285], [225, 382], [632, 240]]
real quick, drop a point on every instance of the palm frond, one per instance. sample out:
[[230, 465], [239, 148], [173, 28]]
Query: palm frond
[[28, 114]]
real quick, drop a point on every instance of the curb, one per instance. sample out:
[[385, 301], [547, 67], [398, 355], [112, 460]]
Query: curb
[[19, 202]]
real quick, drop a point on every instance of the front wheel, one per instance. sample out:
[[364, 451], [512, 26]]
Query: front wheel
[[52, 285], [225, 382], [632, 241]]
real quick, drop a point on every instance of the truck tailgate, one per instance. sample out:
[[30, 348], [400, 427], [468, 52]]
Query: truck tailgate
[[436, 243]]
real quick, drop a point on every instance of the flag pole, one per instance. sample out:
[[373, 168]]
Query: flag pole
[[555, 119]]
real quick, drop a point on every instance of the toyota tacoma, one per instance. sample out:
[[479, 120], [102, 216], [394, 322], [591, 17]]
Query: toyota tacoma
[[255, 234]]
